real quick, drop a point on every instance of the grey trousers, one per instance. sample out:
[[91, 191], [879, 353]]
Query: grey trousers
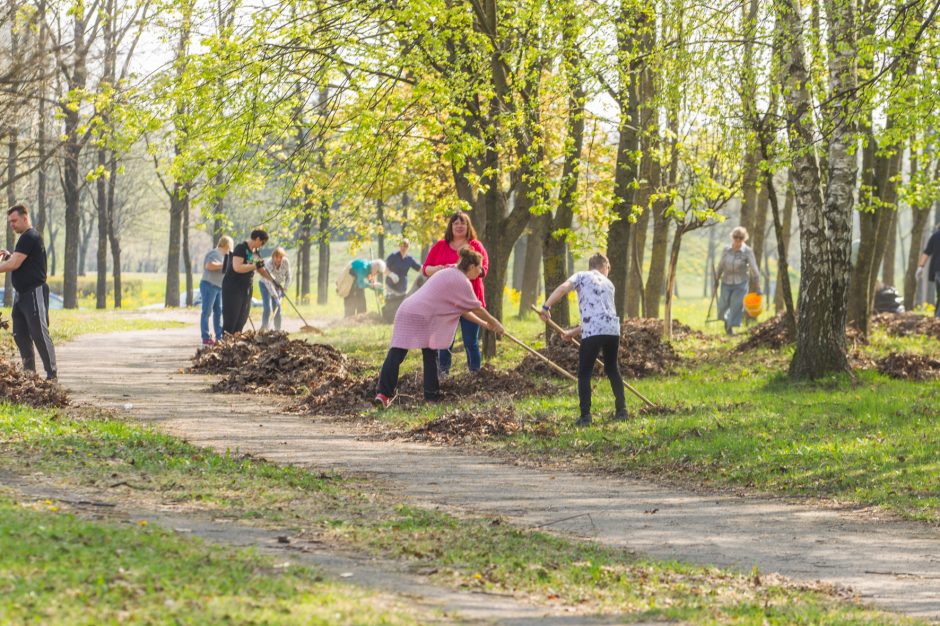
[[31, 327]]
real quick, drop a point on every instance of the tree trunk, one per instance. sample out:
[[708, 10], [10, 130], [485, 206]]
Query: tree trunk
[[759, 234], [380, 217], [671, 280], [113, 236], [187, 261], [656, 280], [89, 219], [919, 218], [825, 227], [71, 155], [636, 304], [532, 262], [11, 200], [177, 203], [891, 251], [323, 255], [101, 184], [303, 252], [784, 239], [518, 260]]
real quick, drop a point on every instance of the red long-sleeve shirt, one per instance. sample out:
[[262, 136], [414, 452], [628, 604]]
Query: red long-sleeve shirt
[[442, 254]]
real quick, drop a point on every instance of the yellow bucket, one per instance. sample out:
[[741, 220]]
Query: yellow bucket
[[754, 304]]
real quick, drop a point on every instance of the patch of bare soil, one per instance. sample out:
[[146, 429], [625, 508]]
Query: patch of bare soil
[[906, 324], [907, 366], [352, 395], [466, 426], [643, 352], [270, 362]]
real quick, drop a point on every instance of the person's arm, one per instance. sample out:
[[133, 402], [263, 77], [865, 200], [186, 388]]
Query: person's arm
[[924, 257], [752, 267], [721, 268], [485, 265], [572, 333], [413, 264], [240, 267], [13, 262], [470, 316], [213, 266], [488, 321], [435, 261], [560, 292], [287, 275]]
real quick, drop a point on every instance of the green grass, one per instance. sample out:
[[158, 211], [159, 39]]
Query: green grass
[[56, 568], [67, 324], [125, 568], [736, 420]]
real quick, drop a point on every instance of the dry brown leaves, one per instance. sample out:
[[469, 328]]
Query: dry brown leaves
[[905, 324], [771, 334], [22, 387], [466, 426], [270, 362], [353, 395], [907, 366], [642, 351]]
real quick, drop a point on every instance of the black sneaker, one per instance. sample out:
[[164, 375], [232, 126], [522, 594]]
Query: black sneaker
[[621, 416], [584, 420]]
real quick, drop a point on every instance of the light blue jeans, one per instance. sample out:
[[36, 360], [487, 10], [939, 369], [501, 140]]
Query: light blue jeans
[[211, 305], [471, 343], [269, 301], [731, 304]]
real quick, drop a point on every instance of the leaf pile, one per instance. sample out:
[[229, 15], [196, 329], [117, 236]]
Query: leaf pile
[[642, 351], [772, 334], [905, 324], [270, 362], [466, 426], [22, 387], [354, 395], [907, 366]]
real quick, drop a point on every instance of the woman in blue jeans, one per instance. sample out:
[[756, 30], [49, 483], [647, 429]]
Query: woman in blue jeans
[[736, 267], [210, 289]]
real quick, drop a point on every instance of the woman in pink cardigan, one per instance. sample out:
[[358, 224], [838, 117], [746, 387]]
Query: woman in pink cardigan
[[427, 319], [443, 254]]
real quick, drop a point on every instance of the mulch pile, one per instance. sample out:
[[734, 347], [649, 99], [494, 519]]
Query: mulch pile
[[270, 362], [466, 426], [905, 324], [353, 395], [642, 351], [22, 387], [907, 366]]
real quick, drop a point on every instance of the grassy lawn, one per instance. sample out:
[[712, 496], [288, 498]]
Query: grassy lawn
[[66, 324], [56, 568], [135, 570], [734, 420]]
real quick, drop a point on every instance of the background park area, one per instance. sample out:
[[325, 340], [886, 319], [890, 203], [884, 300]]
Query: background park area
[[785, 473]]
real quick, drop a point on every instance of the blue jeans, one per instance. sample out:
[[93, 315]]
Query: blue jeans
[[269, 301], [471, 343], [731, 304], [211, 304]]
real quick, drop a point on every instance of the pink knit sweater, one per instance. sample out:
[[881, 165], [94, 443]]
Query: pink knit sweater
[[428, 317]]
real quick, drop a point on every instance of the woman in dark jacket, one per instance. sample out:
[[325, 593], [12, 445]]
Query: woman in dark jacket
[[238, 283]]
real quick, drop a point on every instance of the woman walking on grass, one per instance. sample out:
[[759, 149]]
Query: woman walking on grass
[[736, 267], [444, 254], [427, 319]]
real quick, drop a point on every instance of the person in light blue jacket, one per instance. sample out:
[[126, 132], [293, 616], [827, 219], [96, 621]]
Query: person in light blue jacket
[[366, 275]]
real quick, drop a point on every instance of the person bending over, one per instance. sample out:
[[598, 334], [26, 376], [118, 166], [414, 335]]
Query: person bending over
[[427, 320]]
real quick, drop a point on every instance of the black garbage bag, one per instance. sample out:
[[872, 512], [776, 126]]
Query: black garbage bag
[[887, 300]]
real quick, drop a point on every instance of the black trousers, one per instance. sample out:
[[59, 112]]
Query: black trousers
[[590, 347], [388, 378], [31, 327], [236, 305]]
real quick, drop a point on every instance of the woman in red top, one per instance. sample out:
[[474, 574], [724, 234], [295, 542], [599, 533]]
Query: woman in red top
[[444, 253]]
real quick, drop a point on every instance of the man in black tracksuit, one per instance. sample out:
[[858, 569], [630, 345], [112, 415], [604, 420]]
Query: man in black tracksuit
[[27, 264]]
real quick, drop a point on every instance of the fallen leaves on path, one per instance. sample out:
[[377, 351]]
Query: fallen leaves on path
[[22, 387], [643, 352], [907, 366], [270, 362], [354, 395], [466, 426]]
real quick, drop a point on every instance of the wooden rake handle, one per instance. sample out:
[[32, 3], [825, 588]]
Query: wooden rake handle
[[553, 365], [551, 323]]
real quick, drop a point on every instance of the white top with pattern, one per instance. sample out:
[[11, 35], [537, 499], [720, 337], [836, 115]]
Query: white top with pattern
[[596, 304]]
